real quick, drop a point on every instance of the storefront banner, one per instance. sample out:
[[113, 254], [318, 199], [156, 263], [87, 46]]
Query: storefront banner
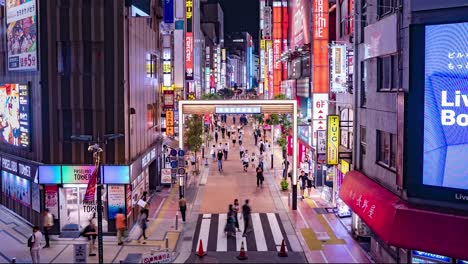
[[91, 189], [115, 199], [51, 199], [50, 174], [77, 174], [115, 174], [35, 197], [333, 139], [338, 69], [21, 35]]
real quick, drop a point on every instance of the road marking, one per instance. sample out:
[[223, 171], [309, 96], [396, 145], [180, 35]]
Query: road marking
[[258, 231], [349, 252], [204, 232], [323, 256], [221, 244], [240, 238], [275, 229]]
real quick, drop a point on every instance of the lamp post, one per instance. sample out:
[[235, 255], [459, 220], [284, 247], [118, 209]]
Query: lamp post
[[94, 147]]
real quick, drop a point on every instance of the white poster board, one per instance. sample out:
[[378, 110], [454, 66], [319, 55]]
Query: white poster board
[[80, 254], [157, 257]]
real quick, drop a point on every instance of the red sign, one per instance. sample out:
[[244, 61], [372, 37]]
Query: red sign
[[277, 46], [189, 56], [290, 145], [299, 22], [168, 99]]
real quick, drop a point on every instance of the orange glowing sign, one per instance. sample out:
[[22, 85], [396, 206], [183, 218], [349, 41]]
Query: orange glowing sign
[[321, 68]]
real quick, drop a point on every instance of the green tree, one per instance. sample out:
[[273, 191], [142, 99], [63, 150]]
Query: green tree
[[211, 97], [280, 97], [225, 93], [193, 136], [260, 118]]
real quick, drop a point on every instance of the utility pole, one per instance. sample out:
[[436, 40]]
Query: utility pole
[[94, 147]]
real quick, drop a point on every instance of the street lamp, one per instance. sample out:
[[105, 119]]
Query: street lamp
[[94, 147]]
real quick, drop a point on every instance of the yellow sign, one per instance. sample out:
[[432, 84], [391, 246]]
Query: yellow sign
[[262, 44], [189, 9], [333, 139], [223, 54], [344, 166], [169, 123]]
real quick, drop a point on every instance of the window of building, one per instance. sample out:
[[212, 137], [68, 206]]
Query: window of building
[[150, 113], [363, 83], [386, 7], [151, 62], [343, 19], [363, 19], [387, 73], [386, 149], [363, 145]]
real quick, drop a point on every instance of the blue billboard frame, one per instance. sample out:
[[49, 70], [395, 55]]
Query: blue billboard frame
[[414, 130]]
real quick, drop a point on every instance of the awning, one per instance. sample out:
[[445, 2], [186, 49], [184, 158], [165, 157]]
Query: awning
[[171, 143], [401, 224]]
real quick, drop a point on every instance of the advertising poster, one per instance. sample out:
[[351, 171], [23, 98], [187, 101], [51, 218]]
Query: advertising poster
[[338, 69], [23, 191], [35, 197], [445, 106], [166, 177], [115, 199], [8, 184], [51, 199], [21, 35], [189, 41], [14, 114], [333, 139]]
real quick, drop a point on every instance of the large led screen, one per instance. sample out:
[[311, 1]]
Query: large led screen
[[15, 114], [21, 34], [445, 158]]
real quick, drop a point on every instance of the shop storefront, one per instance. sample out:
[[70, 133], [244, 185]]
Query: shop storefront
[[64, 189], [418, 229], [144, 177], [20, 192]]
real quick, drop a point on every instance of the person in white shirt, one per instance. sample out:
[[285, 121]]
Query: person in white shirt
[[48, 224], [226, 150], [241, 151], [36, 245], [245, 160]]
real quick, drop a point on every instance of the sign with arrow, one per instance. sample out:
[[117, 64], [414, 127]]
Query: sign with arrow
[[319, 114]]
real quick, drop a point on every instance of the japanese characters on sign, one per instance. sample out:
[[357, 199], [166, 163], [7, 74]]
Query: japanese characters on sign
[[321, 141], [80, 254], [169, 123], [367, 208], [189, 41], [319, 113], [159, 257], [338, 68], [333, 139]]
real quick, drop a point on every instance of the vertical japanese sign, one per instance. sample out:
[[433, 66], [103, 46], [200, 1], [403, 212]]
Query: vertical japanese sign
[[189, 41], [320, 44], [267, 22], [338, 68], [277, 46], [333, 139], [169, 123], [168, 11], [262, 59], [167, 68], [21, 35], [319, 113]]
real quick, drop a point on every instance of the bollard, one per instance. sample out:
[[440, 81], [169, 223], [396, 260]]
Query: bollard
[[177, 221], [13, 260], [167, 243], [272, 160]]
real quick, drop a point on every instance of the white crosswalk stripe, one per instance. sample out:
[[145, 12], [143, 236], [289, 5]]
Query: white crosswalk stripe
[[267, 233]]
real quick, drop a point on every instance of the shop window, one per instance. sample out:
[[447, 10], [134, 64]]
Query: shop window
[[386, 7], [387, 73], [386, 149], [363, 145], [363, 83], [149, 116]]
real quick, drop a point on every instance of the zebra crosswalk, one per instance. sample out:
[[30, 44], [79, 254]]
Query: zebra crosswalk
[[267, 233]]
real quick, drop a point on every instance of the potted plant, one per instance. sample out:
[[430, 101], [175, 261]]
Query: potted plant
[[284, 184]]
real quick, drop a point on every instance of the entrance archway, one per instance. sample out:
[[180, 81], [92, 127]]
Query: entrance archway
[[188, 107]]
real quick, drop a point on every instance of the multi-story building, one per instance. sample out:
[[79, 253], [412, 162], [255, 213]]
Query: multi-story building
[[408, 189], [95, 72], [241, 44]]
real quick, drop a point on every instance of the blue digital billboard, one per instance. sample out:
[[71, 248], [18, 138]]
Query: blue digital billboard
[[436, 115], [446, 106]]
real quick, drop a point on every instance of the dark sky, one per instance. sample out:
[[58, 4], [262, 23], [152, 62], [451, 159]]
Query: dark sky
[[241, 15]]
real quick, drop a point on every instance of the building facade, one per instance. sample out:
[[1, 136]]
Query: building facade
[[96, 74]]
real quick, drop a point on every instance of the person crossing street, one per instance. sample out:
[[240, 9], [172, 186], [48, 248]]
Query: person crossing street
[[220, 160]]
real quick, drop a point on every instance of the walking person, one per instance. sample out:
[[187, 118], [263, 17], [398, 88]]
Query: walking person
[[90, 232], [223, 131], [213, 152], [233, 138], [236, 209], [35, 244], [230, 229], [48, 224], [285, 166], [241, 151], [260, 177], [142, 219], [183, 207], [246, 211], [226, 150], [220, 160], [216, 136], [120, 226], [228, 132], [241, 138], [261, 146], [245, 160], [234, 119], [253, 159], [255, 137], [303, 179]]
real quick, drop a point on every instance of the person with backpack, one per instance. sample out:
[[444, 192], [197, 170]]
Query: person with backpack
[[34, 244]]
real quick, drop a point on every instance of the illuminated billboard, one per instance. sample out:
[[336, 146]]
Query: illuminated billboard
[[21, 35], [338, 68], [15, 115], [300, 20], [320, 50], [189, 41], [436, 135]]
